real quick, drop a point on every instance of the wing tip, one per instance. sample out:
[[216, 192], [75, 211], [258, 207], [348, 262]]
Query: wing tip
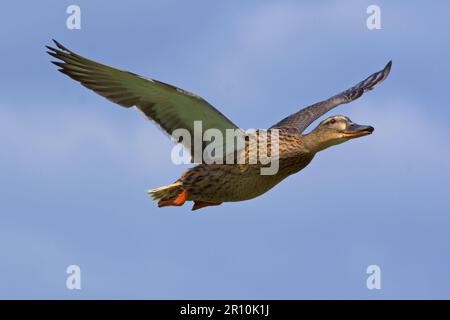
[[387, 68], [60, 46], [60, 49], [385, 72]]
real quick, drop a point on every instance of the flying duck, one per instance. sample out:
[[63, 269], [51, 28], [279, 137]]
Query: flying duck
[[172, 108]]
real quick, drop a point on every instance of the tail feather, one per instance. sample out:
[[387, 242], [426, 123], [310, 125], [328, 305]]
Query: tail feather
[[165, 193]]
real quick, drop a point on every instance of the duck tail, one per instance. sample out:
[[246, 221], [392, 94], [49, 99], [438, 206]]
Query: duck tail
[[172, 195]]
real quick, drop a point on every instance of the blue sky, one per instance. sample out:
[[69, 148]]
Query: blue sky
[[75, 168]]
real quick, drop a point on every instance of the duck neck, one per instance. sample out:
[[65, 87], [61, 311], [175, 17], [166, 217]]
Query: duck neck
[[316, 141]]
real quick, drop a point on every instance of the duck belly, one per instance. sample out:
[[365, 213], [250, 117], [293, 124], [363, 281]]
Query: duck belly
[[229, 183]]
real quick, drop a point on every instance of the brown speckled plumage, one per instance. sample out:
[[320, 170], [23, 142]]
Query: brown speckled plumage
[[173, 108], [237, 182]]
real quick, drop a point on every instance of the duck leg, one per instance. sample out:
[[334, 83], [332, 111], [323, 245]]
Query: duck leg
[[201, 204], [178, 201]]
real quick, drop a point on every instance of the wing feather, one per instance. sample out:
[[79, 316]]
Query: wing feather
[[170, 107], [300, 120]]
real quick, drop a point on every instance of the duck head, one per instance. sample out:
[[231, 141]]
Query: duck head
[[335, 130]]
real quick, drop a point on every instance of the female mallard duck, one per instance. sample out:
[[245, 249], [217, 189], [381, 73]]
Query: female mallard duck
[[173, 108]]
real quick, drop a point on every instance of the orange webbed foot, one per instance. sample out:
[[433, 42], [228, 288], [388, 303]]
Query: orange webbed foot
[[178, 201]]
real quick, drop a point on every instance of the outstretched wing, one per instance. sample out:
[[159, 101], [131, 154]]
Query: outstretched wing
[[170, 107], [300, 120]]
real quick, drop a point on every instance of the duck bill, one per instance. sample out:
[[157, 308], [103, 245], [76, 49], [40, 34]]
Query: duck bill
[[356, 131]]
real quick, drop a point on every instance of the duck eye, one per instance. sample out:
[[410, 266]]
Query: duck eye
[[333, 121]]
